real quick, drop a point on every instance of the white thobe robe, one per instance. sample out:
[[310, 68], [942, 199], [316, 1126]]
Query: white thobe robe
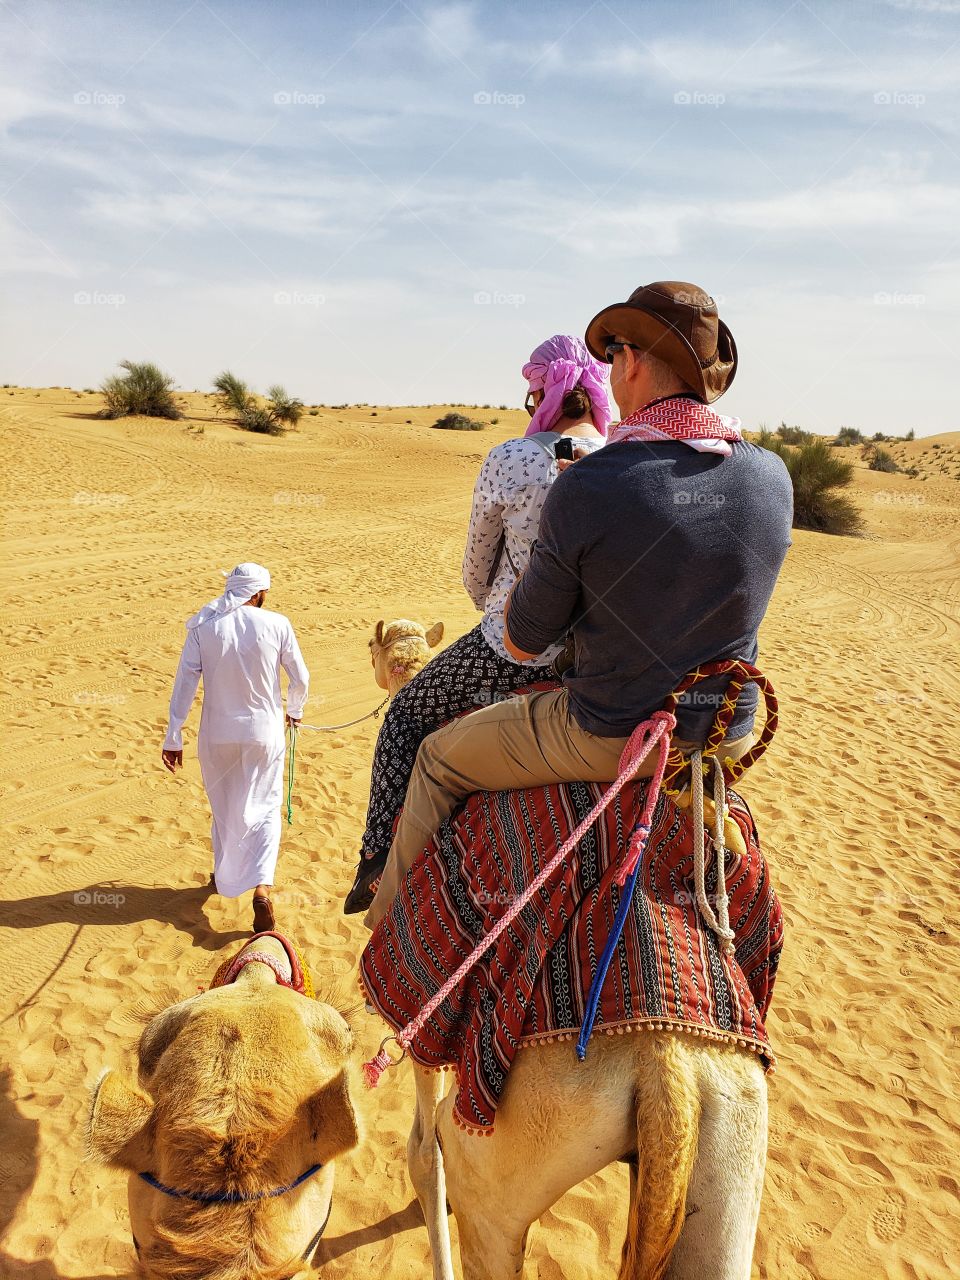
[[241, 738]]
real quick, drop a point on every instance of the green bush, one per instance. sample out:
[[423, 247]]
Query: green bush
[[286, 409], [911, 434], [144, 390], [233, 395], [458, 422], [793, 435], [258, 418], [236, 399], [883, 460], [849, 435], [816, 474]]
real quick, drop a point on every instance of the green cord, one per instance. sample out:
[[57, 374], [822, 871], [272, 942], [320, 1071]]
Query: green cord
[[292, 738]]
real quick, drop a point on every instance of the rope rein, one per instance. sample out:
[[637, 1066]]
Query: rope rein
[[718, 922], [292, 730], [347, 724]]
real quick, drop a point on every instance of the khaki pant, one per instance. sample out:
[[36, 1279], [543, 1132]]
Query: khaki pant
[[526, 741]]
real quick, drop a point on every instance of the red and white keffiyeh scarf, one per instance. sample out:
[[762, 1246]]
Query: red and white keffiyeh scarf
[[683, 419]]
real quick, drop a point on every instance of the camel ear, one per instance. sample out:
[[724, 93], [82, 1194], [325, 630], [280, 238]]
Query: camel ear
[[334, 1125], [378, 632], [435, 635], [117, 1132]]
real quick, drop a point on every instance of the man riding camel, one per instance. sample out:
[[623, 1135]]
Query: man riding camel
[[237, 647], [658, 552]]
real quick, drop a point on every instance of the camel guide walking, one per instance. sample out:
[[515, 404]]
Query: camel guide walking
[[237, 648], [659, 551]]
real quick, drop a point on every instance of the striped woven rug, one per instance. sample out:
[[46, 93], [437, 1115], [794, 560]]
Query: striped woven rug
[[668, 970]]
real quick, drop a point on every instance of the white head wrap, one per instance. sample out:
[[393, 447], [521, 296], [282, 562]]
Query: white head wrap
[[245, 581]]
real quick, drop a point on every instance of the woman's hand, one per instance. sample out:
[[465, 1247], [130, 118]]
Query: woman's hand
[[563, 463]]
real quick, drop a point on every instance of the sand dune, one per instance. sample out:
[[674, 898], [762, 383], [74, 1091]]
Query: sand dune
[[117, 530]]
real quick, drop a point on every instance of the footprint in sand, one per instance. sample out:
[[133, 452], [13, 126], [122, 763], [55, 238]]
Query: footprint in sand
[[887, 1220]]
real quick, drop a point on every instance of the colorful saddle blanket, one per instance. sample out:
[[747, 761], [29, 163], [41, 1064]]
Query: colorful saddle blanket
[[668, 970]]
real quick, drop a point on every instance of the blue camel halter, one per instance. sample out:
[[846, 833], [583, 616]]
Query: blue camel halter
[[228, 1197]]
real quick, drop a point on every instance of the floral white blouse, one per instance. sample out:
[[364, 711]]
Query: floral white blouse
[[507, 500]]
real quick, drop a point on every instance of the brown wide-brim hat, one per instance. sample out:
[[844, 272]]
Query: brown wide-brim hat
[[677, 323]]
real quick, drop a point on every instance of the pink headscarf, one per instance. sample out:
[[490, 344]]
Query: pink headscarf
[[556, 367]]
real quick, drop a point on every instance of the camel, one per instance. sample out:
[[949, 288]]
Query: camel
[[244, 1090], [688, 1114], [399, 649]]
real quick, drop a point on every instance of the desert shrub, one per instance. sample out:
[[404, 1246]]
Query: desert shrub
[[849, 435], [911, 434], [236, 399], [793, 435], [286, 409], [458, 422], [233, 395], [816, 474], [143, 390], [258, 418], [879, 438], [883, 460], [314, 412]]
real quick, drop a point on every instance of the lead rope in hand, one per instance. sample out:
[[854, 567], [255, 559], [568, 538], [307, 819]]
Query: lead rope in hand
[[292, 740]]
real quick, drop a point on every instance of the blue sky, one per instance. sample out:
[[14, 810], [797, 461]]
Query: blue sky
[[394, 202]]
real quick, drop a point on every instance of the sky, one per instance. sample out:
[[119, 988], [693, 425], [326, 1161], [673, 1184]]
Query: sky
[[394, 202]]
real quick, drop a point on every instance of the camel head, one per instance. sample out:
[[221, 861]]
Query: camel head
[[243, 1104], [399, 649]]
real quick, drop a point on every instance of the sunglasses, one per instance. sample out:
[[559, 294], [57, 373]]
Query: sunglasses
[[611, 348]]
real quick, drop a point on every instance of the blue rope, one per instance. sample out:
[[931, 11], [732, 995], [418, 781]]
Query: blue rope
[[596, 986], [228, 1197]]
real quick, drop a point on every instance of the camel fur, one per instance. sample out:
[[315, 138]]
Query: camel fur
[[241, 1089], [399, 649], [688, 1114]]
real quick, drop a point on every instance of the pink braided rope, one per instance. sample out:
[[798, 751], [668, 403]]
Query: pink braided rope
[[645, 737]]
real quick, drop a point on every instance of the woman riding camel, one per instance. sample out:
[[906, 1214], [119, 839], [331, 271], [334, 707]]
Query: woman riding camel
[[567, 397]]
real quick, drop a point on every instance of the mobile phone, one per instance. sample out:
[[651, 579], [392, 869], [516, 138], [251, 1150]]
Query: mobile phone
[[564, 448]]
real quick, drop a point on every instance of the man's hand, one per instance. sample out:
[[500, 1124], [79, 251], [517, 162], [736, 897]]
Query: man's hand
[[172, 760], [293, 723], [563, 463]]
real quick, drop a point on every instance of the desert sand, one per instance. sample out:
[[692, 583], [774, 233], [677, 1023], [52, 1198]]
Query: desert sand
[[116, 531]]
